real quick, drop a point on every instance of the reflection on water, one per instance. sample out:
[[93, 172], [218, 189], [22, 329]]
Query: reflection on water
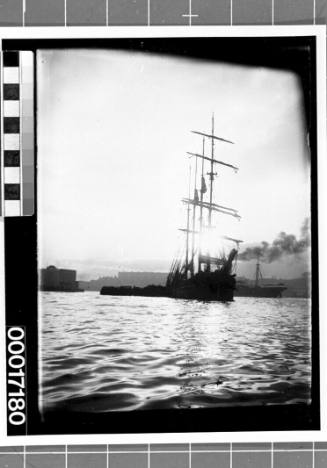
[[107, 353]]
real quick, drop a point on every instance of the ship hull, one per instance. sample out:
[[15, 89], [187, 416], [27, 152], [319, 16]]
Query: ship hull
[[203, 286], [148, 291], [203, 294], [260, 291], [206, 287]]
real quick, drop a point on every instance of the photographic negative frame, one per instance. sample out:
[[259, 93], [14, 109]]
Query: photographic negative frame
[[253, 47]]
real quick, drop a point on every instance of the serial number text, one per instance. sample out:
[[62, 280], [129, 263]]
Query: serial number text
[[16, 376]]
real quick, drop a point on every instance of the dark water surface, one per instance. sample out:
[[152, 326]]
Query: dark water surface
[[108, 353]]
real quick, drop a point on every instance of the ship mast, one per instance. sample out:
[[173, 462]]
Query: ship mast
[[202, 186], [203, 189], [258, 274], [212, 176], [211, 206], [188, 223], [196, 199], [211, 173]]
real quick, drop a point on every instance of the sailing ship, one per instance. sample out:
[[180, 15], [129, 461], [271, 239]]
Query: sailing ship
[[259, 289], [200, 274]]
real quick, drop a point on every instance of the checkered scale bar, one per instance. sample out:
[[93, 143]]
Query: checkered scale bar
[[17, 133]]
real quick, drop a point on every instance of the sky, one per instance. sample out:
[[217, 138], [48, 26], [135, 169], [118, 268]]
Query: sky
[[113, 131]]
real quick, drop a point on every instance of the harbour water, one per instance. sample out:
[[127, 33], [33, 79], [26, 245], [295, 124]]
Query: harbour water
[[109, 353]]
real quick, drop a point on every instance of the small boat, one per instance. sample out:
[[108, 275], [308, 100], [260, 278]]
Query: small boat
[[259, 289]]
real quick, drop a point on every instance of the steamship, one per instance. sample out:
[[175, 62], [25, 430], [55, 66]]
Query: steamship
[[259, 289]]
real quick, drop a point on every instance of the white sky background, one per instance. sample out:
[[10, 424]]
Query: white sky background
[[114, 128]]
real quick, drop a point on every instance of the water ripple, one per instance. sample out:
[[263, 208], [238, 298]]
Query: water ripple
[[101, 354]]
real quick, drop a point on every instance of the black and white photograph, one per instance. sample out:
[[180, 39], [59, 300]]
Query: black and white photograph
[[177, 234]]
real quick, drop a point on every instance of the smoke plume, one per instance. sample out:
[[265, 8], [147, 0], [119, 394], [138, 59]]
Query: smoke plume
[[284, 244]]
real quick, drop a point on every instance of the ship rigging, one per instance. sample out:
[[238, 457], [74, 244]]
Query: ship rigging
[[200, 275]]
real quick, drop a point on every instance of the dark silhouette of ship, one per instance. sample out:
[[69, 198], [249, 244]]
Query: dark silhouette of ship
[[152, 290], [259, 289], [199, 274]]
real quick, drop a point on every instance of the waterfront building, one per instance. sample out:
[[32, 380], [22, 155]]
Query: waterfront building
[[58, 279]]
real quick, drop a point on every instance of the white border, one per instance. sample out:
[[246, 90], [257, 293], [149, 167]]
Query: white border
[[195, 31], [103, 32]]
